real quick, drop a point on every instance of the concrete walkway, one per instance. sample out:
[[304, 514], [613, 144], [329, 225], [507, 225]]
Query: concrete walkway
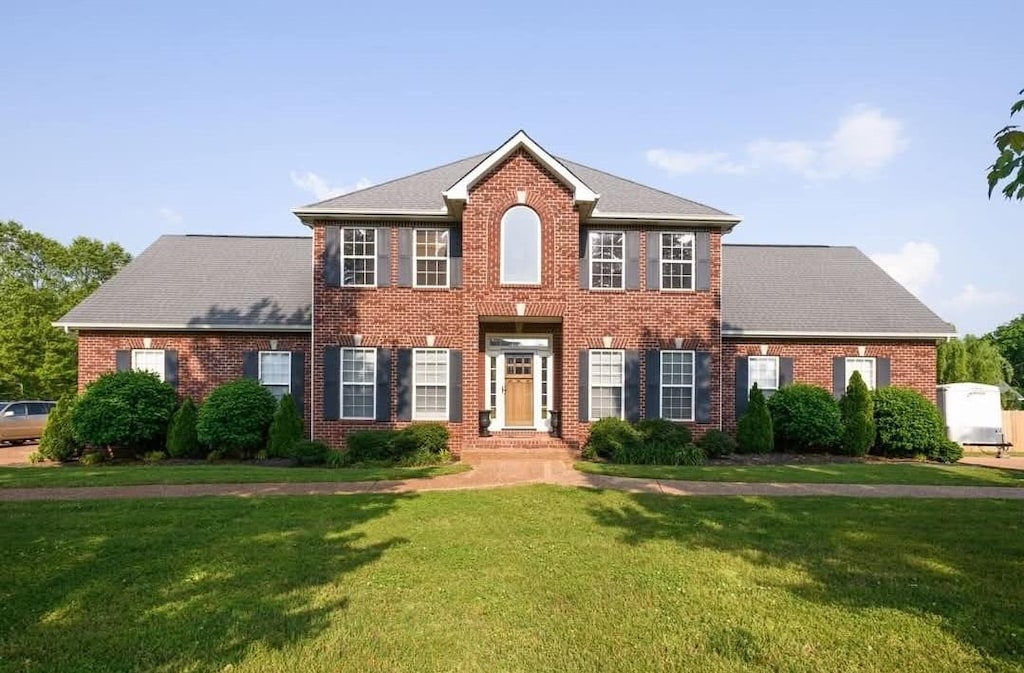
[[511, 472]]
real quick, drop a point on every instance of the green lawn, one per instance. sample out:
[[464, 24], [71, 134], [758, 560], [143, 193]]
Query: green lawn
[[833, 473], [536, 578], [125, 475]]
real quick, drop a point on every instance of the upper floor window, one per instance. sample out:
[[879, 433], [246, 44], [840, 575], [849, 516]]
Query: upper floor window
[[359, 257], [676, 261], [866, 367], [607, 255], [431, 258], [275, 373], [520, 246], [148, 360]]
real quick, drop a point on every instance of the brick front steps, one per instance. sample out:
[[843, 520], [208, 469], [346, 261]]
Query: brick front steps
[[508, 444]]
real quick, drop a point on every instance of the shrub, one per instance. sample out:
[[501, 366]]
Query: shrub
[[285, 429], [754, 432], [858, 413], [305, 453], [92, 458], [36, 457], [370, 445], [154, 457], [717, 443], [906, 423], [663, 434], [214, 456], [947, 451], [124, 410], [336, 459], [235, 417], [431, 437], [611, 436], [182, 441], [422, 457], [805, 418], [58, 442]]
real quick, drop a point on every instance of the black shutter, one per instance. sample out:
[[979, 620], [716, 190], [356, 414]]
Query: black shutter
[[785, 371], [584, 260], [584, 384], [702, 368], [455, 386], [631, 372], [171, 367], [632, 246], [838, 377], [404, 406], [742, 386], [332, 256], [653, 260], [653, 399], [251, 365], [299, 381], [332, 383], [703, 245], [123, 361], [883, 372], [405, 257], [383, 256], [383, 384], [455, 257]]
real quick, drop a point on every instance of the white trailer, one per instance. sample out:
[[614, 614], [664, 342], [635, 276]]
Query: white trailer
[[973, 414]]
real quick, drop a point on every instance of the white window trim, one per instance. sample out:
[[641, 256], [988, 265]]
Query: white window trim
[[416, 258], [592, 259], [341, 384], [874, 371], [750, 381], [259, 368], [163, 371], [662, 385], [662, 262], [591, 386], [436, 416], [343, 257], [540, 251]]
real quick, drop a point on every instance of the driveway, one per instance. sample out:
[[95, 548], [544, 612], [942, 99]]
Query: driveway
[[16, 455]]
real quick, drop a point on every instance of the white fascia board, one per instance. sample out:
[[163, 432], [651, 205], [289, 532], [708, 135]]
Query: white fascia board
[[460, 190], [105, 326], [717, 220], [307, 215], [789, 334]]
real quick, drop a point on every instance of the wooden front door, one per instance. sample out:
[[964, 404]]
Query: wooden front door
[[519, 390]]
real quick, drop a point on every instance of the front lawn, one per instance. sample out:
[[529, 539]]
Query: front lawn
[[825, 473], [536, 578], [128, 475]]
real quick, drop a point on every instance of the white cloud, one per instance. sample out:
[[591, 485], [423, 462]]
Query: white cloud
[[319, 187], [170, 216], [972, 297], [864, 140], [915, 265]]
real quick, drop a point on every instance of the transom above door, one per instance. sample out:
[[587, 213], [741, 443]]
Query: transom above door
[[518, 381]]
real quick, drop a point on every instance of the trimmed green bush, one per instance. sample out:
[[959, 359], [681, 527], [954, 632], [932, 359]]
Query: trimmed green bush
[[611, 436], [235, 417], [419, 444], [947, 451], [754, 431], [857, 410], [423, 457], [717, 443], [92, 458], [58, 442], [805, 418], [306, 453], [663, 433], [127, 410], [182, 440], [285, 429], [370, 446], [907, 423], [430, 437], [152, 457]]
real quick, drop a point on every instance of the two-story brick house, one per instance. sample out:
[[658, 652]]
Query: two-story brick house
[[514, 283]]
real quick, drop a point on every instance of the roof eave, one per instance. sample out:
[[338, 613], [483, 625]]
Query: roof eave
[[309, 215], [824, 334], [176, 327], [724, 222]]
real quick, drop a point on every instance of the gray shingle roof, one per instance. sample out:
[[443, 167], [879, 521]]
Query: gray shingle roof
[[819, 289], [422, 192], [217, 281]]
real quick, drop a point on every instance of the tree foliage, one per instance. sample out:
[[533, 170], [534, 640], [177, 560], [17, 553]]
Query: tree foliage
[[58, 442], [952, 362], [1009, 165], [858, 413], [125, 410], [1009, 340], [235, 417], [974, 359], [40, 280]]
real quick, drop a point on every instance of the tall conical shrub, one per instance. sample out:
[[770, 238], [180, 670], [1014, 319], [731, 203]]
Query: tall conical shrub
[[285, 429], [182, 440], [858, 412], [58, 442], [755, 433]]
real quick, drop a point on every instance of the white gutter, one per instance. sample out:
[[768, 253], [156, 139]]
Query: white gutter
[[835, 335], [182, 328]]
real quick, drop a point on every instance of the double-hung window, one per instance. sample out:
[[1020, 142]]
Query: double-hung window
[[431, 258], [764, 371], [677, 261], [149, 360], [358, 383], [607, 260], [866, 367], [276, 372], [677, 385], [430, 384], [606, 383], [359, 257]]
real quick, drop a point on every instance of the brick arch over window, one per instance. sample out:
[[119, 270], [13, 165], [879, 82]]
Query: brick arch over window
[[522, 236]]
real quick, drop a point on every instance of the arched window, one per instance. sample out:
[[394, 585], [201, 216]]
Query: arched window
[[520, 246]]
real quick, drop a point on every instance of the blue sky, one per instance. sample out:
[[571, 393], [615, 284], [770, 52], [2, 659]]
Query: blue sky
[[856, 123]]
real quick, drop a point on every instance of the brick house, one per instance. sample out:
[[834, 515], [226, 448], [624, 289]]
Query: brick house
[[514, 283]]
